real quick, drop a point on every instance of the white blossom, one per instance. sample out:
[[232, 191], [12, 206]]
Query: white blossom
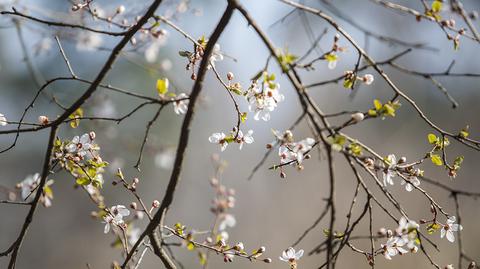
[[29, 184], [295, 151], [228, 220], [166, 64], [407, 231], [180, 106], [405, 226], [290, 255], [152, 51], [393, 247], [219, 138], [165, 158], [115, 217], [368, 79], [3, 120], [134, 235], [80, 145], [449, 228], [263, 101], [216, 56], [389, 172], [245, 139], [332, 64], [413, 182]]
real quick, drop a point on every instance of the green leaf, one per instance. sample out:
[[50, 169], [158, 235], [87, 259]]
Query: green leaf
[[378, 105], [432, 139], [355, 149], [75, 116], [83, 181], [457, 162], [436, 159], [162, 86], [348, 83], [184, 53], [326, 232], [436, 6], [431, 228], [190, 246], [389, 110], [243, 117], [202, 258], [331, 57], [464, 132]]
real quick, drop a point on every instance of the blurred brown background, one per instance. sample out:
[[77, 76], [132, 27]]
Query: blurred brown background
[[270, 211]]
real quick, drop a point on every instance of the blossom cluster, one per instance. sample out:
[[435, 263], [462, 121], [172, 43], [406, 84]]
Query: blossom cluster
[[234, 137], [403, 240], [197, 54], [409, 174], [80, 157], [263, 97]]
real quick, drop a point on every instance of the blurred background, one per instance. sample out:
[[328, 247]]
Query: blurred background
[[270, 211]]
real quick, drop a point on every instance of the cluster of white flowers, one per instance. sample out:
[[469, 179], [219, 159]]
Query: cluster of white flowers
[[389, 172], [405, 237], [114, 217], [290, 151], [263, 99], [3, 120], [223, 140]]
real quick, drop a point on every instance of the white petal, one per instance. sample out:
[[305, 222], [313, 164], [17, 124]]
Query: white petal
[[442, 233], [224, 146], [332, 64], [409, 187], [450, 236], [107, 228], [290, 253], [299, 254]]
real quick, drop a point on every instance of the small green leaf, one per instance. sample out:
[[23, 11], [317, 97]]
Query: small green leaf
[[436, 159], [457, 162], [437, 6], [432, 139], [464, 132], [202, 258], [83, 181], [75, 116], [431, 228], [378, 105], [348, 83], [331, 57], [184, 53], [243, 117], [389, 110], [190, 246], [162, 86]]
